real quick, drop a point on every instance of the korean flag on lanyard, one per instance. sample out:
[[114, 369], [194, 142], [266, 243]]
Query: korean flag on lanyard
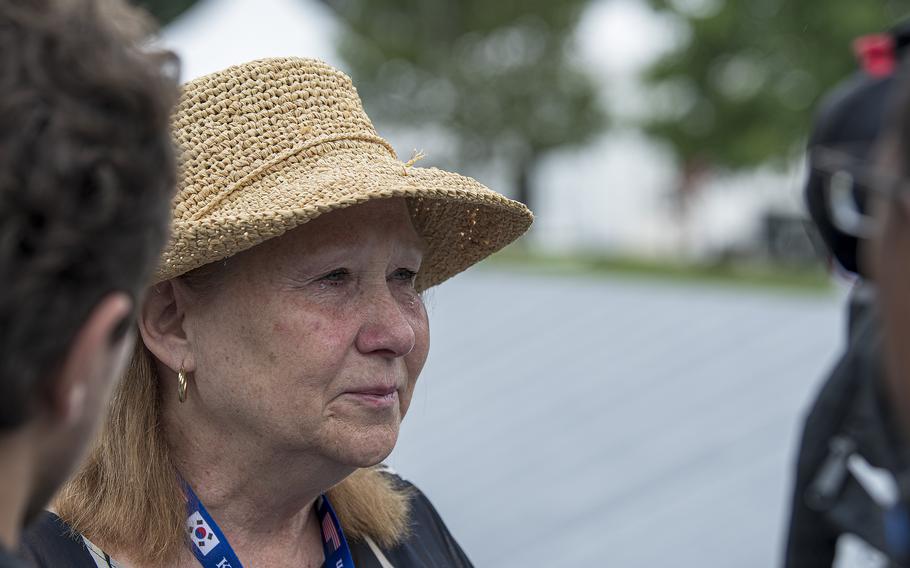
[[201, 534]]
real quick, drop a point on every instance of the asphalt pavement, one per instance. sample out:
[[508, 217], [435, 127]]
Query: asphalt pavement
[[594, 421]]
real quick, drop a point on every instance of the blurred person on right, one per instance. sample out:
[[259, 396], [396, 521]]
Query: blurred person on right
[[851, 505]]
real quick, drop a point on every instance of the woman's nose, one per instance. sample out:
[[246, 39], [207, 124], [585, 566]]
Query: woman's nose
[[386, 329]]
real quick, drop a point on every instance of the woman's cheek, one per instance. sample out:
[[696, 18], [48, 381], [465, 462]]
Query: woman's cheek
[[418, 356], [420, 320]]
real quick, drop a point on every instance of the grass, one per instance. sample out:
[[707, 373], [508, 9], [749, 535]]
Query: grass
[[762, 275]]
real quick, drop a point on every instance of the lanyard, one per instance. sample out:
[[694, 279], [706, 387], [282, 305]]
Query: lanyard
[[213, 551]]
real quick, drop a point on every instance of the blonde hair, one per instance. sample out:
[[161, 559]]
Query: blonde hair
[[127, 496]]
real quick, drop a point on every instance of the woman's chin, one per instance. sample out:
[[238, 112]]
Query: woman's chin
[[365, 446]]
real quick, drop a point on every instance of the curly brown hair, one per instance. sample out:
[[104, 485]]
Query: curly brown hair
[[87, 171]]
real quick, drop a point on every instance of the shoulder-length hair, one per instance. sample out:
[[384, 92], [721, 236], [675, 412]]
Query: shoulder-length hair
[[127, 496]]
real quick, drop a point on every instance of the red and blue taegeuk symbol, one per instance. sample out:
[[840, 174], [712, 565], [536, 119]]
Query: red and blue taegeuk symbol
[[202, 533]]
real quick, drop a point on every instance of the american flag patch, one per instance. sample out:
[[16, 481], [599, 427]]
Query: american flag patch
[[329, 534]]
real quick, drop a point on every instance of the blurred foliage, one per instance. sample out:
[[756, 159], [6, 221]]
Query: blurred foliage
[[497, 77], [741, 89], [762, 275], [165, 11]]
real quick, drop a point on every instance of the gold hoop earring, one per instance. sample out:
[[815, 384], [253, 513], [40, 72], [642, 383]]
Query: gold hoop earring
[[181, 385]]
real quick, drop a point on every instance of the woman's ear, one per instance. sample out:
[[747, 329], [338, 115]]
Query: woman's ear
[[162, 325]]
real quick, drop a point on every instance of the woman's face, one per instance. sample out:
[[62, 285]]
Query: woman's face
[[315, 339]]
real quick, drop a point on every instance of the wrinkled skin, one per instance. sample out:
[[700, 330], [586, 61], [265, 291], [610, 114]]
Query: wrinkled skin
[[310, 344]]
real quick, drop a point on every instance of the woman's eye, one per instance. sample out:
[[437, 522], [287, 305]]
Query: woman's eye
[[335, 276], [405, 275]]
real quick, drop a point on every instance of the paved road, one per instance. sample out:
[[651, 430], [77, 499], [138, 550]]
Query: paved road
[[646, 424]]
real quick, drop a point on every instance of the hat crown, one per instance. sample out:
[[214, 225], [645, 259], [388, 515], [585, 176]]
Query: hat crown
[[236, 123]]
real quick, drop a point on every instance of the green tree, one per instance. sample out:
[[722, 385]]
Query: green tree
[[495, 75], [165, 11], [741, 89]]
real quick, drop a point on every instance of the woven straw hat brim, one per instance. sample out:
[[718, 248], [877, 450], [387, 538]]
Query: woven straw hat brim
[[461, 221], [272, 144]]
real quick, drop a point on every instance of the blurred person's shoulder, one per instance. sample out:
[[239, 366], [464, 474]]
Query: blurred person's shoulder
[[7, 560], [51, 543]]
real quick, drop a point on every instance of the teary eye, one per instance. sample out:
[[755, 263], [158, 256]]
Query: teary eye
[[404, 275], [336, 276]]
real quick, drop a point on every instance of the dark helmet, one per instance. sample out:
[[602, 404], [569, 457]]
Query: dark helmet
[[850, 119]]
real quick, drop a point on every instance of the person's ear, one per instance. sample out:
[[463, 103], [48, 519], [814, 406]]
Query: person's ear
[[162, 326], [95, 358]]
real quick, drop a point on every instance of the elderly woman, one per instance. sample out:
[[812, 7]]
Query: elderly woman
[[281, 343]]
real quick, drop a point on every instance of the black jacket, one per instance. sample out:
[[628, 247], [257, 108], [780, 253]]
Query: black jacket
[[849, 420], [51, 544]]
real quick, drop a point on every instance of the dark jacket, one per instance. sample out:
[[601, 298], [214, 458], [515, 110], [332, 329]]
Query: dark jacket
[[850, 420], [51, 544], [7, 560]]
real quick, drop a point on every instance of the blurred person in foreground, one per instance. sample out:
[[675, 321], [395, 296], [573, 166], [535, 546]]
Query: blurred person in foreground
[[282, 340], [86, 176], [848, 508]]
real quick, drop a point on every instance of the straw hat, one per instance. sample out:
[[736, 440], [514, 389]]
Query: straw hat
[[272, 144]]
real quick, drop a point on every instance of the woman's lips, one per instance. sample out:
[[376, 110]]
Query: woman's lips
[[376, 397]]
